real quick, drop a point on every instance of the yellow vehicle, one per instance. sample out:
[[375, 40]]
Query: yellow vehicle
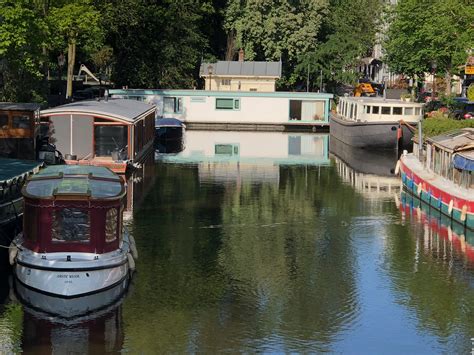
[[364, 89]]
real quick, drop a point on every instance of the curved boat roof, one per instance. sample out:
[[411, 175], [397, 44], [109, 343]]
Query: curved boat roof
[[169, 122], [121, 109], [75, 180]]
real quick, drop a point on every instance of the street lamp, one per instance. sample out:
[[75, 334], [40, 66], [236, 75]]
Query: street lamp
[[434, 65], [61, 61], [209, 70]]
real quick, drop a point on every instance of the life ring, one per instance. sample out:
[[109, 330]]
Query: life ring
[[397, 167], [420, 188], [133, 247], [463, 213], [450, 207], [12, 253], [131, 262]]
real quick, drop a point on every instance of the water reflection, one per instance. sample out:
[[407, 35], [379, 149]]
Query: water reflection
[[89, 324], [370, 172], [430, 260]]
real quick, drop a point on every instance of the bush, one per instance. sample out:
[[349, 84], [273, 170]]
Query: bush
[[435, 126]]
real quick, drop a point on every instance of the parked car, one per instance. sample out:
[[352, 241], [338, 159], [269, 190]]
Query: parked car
[[464, 109]]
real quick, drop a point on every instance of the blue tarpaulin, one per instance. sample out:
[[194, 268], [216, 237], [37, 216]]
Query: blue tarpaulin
[[463, 163]]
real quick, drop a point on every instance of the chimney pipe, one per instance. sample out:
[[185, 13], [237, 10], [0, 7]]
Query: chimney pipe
[[241, 55]]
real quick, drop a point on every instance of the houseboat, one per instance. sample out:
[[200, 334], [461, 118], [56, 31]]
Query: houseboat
[[73, 242], [369, 122], [441, 173], [169, 137], [238, 110], [112, 133], [19, 130]]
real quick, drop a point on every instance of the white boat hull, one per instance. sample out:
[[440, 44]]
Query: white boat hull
[[85, 273]]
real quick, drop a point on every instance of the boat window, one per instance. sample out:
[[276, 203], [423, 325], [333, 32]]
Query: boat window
[[111, 225], [109, 139], [21, 121], [375, 109], [70, 225], [397, 110], [102, 188], [30, 223], [227, 104], [172, 104], [307, 110], [3, 121], [367, 109], [417, 110], [225, 82], [386, 110], [352, 112], [408, 111]]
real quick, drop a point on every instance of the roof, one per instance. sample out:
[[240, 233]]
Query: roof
[[123, 109], [236, 68], [169, 122], [14, 106], [460, 141], [380, 100], [14, 168], [93, 181]]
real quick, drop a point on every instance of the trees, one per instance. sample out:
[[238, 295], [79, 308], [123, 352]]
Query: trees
[[347, 34], [22, 34], [425, 32], [273, 30], [76, 22]]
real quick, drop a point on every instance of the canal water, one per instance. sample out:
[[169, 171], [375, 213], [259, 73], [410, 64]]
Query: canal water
[[268, 242]]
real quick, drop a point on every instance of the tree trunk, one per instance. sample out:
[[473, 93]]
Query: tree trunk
[[230, 49], [71, 58], [447, 80]]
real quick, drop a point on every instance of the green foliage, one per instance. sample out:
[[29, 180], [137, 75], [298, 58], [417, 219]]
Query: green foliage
[[22, 34], [348, 33], [435, 126], [425, 32], [274, 30]]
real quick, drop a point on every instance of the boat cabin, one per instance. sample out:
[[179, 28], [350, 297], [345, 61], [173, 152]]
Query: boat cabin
[[114, 133], [73, 209], [369, 109], [19, 130], [451, 155]]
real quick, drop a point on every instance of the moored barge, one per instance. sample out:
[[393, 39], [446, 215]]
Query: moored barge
[[442, 174]]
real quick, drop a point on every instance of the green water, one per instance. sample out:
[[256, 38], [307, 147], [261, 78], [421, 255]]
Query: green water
[[245, 255]]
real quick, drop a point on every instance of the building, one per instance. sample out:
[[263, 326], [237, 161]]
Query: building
[[240, 75]]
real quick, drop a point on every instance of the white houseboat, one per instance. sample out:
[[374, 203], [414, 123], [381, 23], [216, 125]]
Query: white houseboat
[[243, 110], [367, 122], [73, 243]]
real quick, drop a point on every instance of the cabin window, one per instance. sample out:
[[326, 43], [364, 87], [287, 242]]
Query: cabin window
[[375, 109], [367, 109], [3, 121], [252, 89], [225, 82], [110, 139], [227, 104], [417, 110], [111, 225], [351, 114], [397, 110], [226, 149], [307, 110], [408, 111], [172, 104], [386, 110], [21, 121], [70, 225], [30, 223]]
